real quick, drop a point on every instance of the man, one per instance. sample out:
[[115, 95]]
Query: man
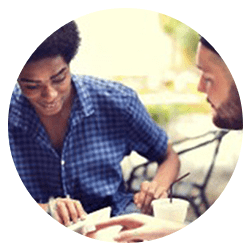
[[218, 84], [68, 135]]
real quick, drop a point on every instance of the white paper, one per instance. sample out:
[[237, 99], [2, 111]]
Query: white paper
[[91, 220]]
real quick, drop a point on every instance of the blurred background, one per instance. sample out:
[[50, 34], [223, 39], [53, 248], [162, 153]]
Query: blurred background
[[155, 55]]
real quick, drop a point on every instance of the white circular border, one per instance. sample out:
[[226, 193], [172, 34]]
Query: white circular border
[[137, 4]]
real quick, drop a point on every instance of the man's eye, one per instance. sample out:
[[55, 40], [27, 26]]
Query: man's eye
[[59, 80], [208, 80], [31, 87]]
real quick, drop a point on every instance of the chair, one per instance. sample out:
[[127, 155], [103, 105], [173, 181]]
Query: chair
[[194, 192]]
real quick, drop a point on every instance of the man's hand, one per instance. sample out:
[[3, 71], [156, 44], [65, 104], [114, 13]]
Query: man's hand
[[138, 227], [66, 210], [149, 191], [166, 174]]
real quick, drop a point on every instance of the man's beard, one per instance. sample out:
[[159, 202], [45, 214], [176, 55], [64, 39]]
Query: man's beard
[[229, 114]]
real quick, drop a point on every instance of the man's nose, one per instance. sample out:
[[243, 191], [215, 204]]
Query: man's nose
[[49, 93], [201, 86]]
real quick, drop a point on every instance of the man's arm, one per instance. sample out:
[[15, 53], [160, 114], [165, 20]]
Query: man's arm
[[165, 176]]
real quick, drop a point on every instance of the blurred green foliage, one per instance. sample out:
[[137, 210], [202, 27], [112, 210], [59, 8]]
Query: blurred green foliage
[[162, 114], [184, 36]]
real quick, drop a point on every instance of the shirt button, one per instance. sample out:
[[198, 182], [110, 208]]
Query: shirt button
[[62, 162]]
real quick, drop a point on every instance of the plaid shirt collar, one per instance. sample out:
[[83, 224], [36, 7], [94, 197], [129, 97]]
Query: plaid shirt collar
[[24, 115]]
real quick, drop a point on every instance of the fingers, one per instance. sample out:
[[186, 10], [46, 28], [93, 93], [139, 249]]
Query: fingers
[[62, 211], [57, 217], [135, 227], [142, 197], [136, 200], [160, 193], [68, 210], [149, 191], [80, 210], [130, 236], [127, 221]]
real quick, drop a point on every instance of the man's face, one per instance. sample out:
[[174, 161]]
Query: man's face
[[46, 83], [217, 82]]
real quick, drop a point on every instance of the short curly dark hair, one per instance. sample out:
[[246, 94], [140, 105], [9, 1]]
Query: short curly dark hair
[[63, 42]]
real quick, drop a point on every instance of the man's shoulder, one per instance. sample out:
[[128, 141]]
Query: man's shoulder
[[16, 94], [17, 101], [20, 111], [102, 87]]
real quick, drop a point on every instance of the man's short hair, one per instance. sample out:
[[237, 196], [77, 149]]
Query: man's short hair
[[63, 42], [208, 45]]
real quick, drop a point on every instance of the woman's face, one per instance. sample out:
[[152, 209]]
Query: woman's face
[[46, 83]]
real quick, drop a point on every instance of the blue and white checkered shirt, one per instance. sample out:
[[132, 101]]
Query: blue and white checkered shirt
[[107, 122]]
